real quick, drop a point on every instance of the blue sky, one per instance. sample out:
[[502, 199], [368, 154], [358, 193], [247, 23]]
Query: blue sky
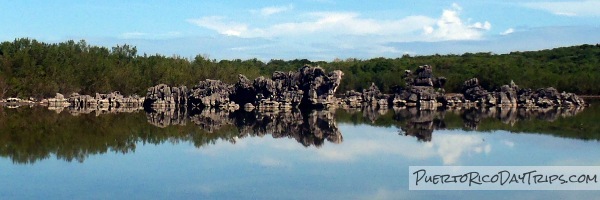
[[312, 29]]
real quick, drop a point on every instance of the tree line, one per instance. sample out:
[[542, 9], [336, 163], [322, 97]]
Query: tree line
[[30, 68]]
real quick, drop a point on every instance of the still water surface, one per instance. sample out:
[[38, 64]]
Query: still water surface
[[309, 155]]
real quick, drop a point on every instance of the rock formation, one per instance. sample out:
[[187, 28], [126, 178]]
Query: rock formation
[[163, 95], [352, 99], [423, 90], [309, 86], [373, 97], [108, 101], [512, 96], [212, 94], [319, 88]]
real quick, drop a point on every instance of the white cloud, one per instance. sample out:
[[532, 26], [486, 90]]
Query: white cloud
[[321, 23], [451, 27], [482, 26], [327, 25], [508, 31], [327, 35], [267, 11], [568, 8]]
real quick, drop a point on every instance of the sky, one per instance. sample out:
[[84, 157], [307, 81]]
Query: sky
[[307, 29]]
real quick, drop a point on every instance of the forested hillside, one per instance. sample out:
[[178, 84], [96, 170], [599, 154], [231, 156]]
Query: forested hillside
[[29, 68]]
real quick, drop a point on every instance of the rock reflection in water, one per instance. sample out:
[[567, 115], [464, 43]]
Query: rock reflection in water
[[420, 123], [309, 128], [30, 134], [98, 110], [510, 115]]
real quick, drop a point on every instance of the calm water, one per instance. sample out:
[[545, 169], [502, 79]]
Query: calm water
[[341, 154]]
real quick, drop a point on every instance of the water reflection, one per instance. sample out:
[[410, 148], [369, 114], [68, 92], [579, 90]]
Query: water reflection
[[473, 116], [307, 128], [30, 134]]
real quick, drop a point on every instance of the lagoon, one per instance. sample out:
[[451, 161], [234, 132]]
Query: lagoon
[[341, 154]]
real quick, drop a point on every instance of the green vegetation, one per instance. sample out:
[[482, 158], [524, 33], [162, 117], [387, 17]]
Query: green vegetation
[[29, 68]]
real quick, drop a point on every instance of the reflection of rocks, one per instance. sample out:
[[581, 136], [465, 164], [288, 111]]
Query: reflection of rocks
[[211, 119], [279, 124], [321, 125], [165, 117], [373, 113], [309, 129], [75, 111], [420, 123], [510, 115]]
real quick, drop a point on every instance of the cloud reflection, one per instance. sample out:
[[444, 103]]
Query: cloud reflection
[[449, 146]]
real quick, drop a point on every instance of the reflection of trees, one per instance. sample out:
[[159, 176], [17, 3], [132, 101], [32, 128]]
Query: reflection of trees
[[31, 134]]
